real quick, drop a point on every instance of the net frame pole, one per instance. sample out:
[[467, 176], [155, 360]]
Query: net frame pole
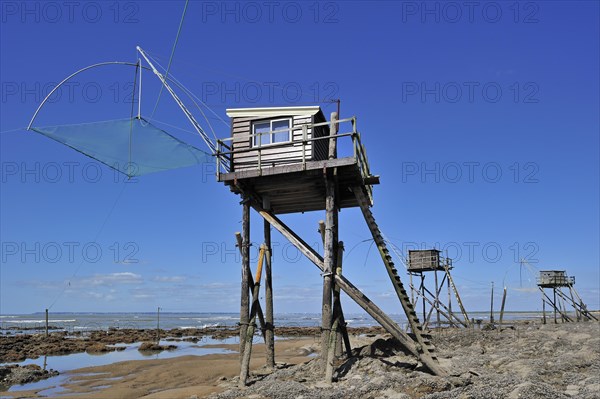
[[187, 113], [37, 111], [139, 115]]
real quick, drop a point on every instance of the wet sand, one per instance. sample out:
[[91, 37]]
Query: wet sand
[[181, 377]]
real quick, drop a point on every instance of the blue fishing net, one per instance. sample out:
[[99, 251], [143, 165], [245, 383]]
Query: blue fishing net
[[134, 146]]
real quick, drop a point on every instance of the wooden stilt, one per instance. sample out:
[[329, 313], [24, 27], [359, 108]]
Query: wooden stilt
[[245, 368], [244, 301], [543, 311], [342, 332], [577, 314], [328, 263], [353, 292], [454, 321], [554, 305], [437, 299], [502, 306], [450, 295], [492, 305], [338, 328], [261, 317], [412, 290], [423, 293], [270, 328]]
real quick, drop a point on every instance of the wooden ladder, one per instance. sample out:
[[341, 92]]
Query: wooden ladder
[[426, 348]]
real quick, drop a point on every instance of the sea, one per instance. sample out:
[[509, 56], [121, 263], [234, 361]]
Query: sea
[[72, 322]]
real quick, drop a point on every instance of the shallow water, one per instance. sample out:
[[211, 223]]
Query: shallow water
[[65, 363]]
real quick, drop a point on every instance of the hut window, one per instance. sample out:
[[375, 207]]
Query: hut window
[[263, 137]]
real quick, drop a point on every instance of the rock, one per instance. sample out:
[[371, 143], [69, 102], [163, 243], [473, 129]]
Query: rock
[[153, 347], [15, 374], [382, 347], [391, 394], [572, 390], [98, 348]]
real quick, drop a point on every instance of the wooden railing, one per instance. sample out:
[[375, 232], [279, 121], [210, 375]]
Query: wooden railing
[[556, 280], [225, 152]]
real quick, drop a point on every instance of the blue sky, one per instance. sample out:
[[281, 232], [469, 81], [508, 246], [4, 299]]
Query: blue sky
[[483, 123]]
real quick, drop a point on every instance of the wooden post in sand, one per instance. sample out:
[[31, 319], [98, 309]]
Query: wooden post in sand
[[269, 327], [554, 304], [492, 305], [244, 371], [259, 313], [329, 255], [502, 306], [437, 299], [46, 322], [244, 299], [342, 332], [338, 329]]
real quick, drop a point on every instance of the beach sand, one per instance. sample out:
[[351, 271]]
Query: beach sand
[[527, 360]]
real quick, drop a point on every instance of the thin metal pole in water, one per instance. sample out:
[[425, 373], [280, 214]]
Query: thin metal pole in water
[[158, 325], [46, 322]]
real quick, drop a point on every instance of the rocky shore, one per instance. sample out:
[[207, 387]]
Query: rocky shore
[[17, 348], [14, 374], [532, 361], [527, 360]]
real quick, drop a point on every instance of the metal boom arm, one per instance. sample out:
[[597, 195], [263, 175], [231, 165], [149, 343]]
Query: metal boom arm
[[187, 113]]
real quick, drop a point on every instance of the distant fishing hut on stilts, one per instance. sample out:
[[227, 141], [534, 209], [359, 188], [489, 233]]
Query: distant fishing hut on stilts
[[556, 281], [423, 261], [283, 160]]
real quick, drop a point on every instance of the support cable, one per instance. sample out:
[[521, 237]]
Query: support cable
[[172, 53]]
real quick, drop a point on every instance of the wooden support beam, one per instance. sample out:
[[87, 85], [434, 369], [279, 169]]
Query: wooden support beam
[[448, 315], [582, 306], [437, 303], [332, 132], [458, 300], [270, 328], [341, 330], [328, 268], [492, 305], [502, 306], [352, 291], [244, 299], [554, 305], [338, 329], [261, 317], [543, 305], [577, 313], [423, 296], [245, 367], [571, 301], [337, 308], [437, 299]]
